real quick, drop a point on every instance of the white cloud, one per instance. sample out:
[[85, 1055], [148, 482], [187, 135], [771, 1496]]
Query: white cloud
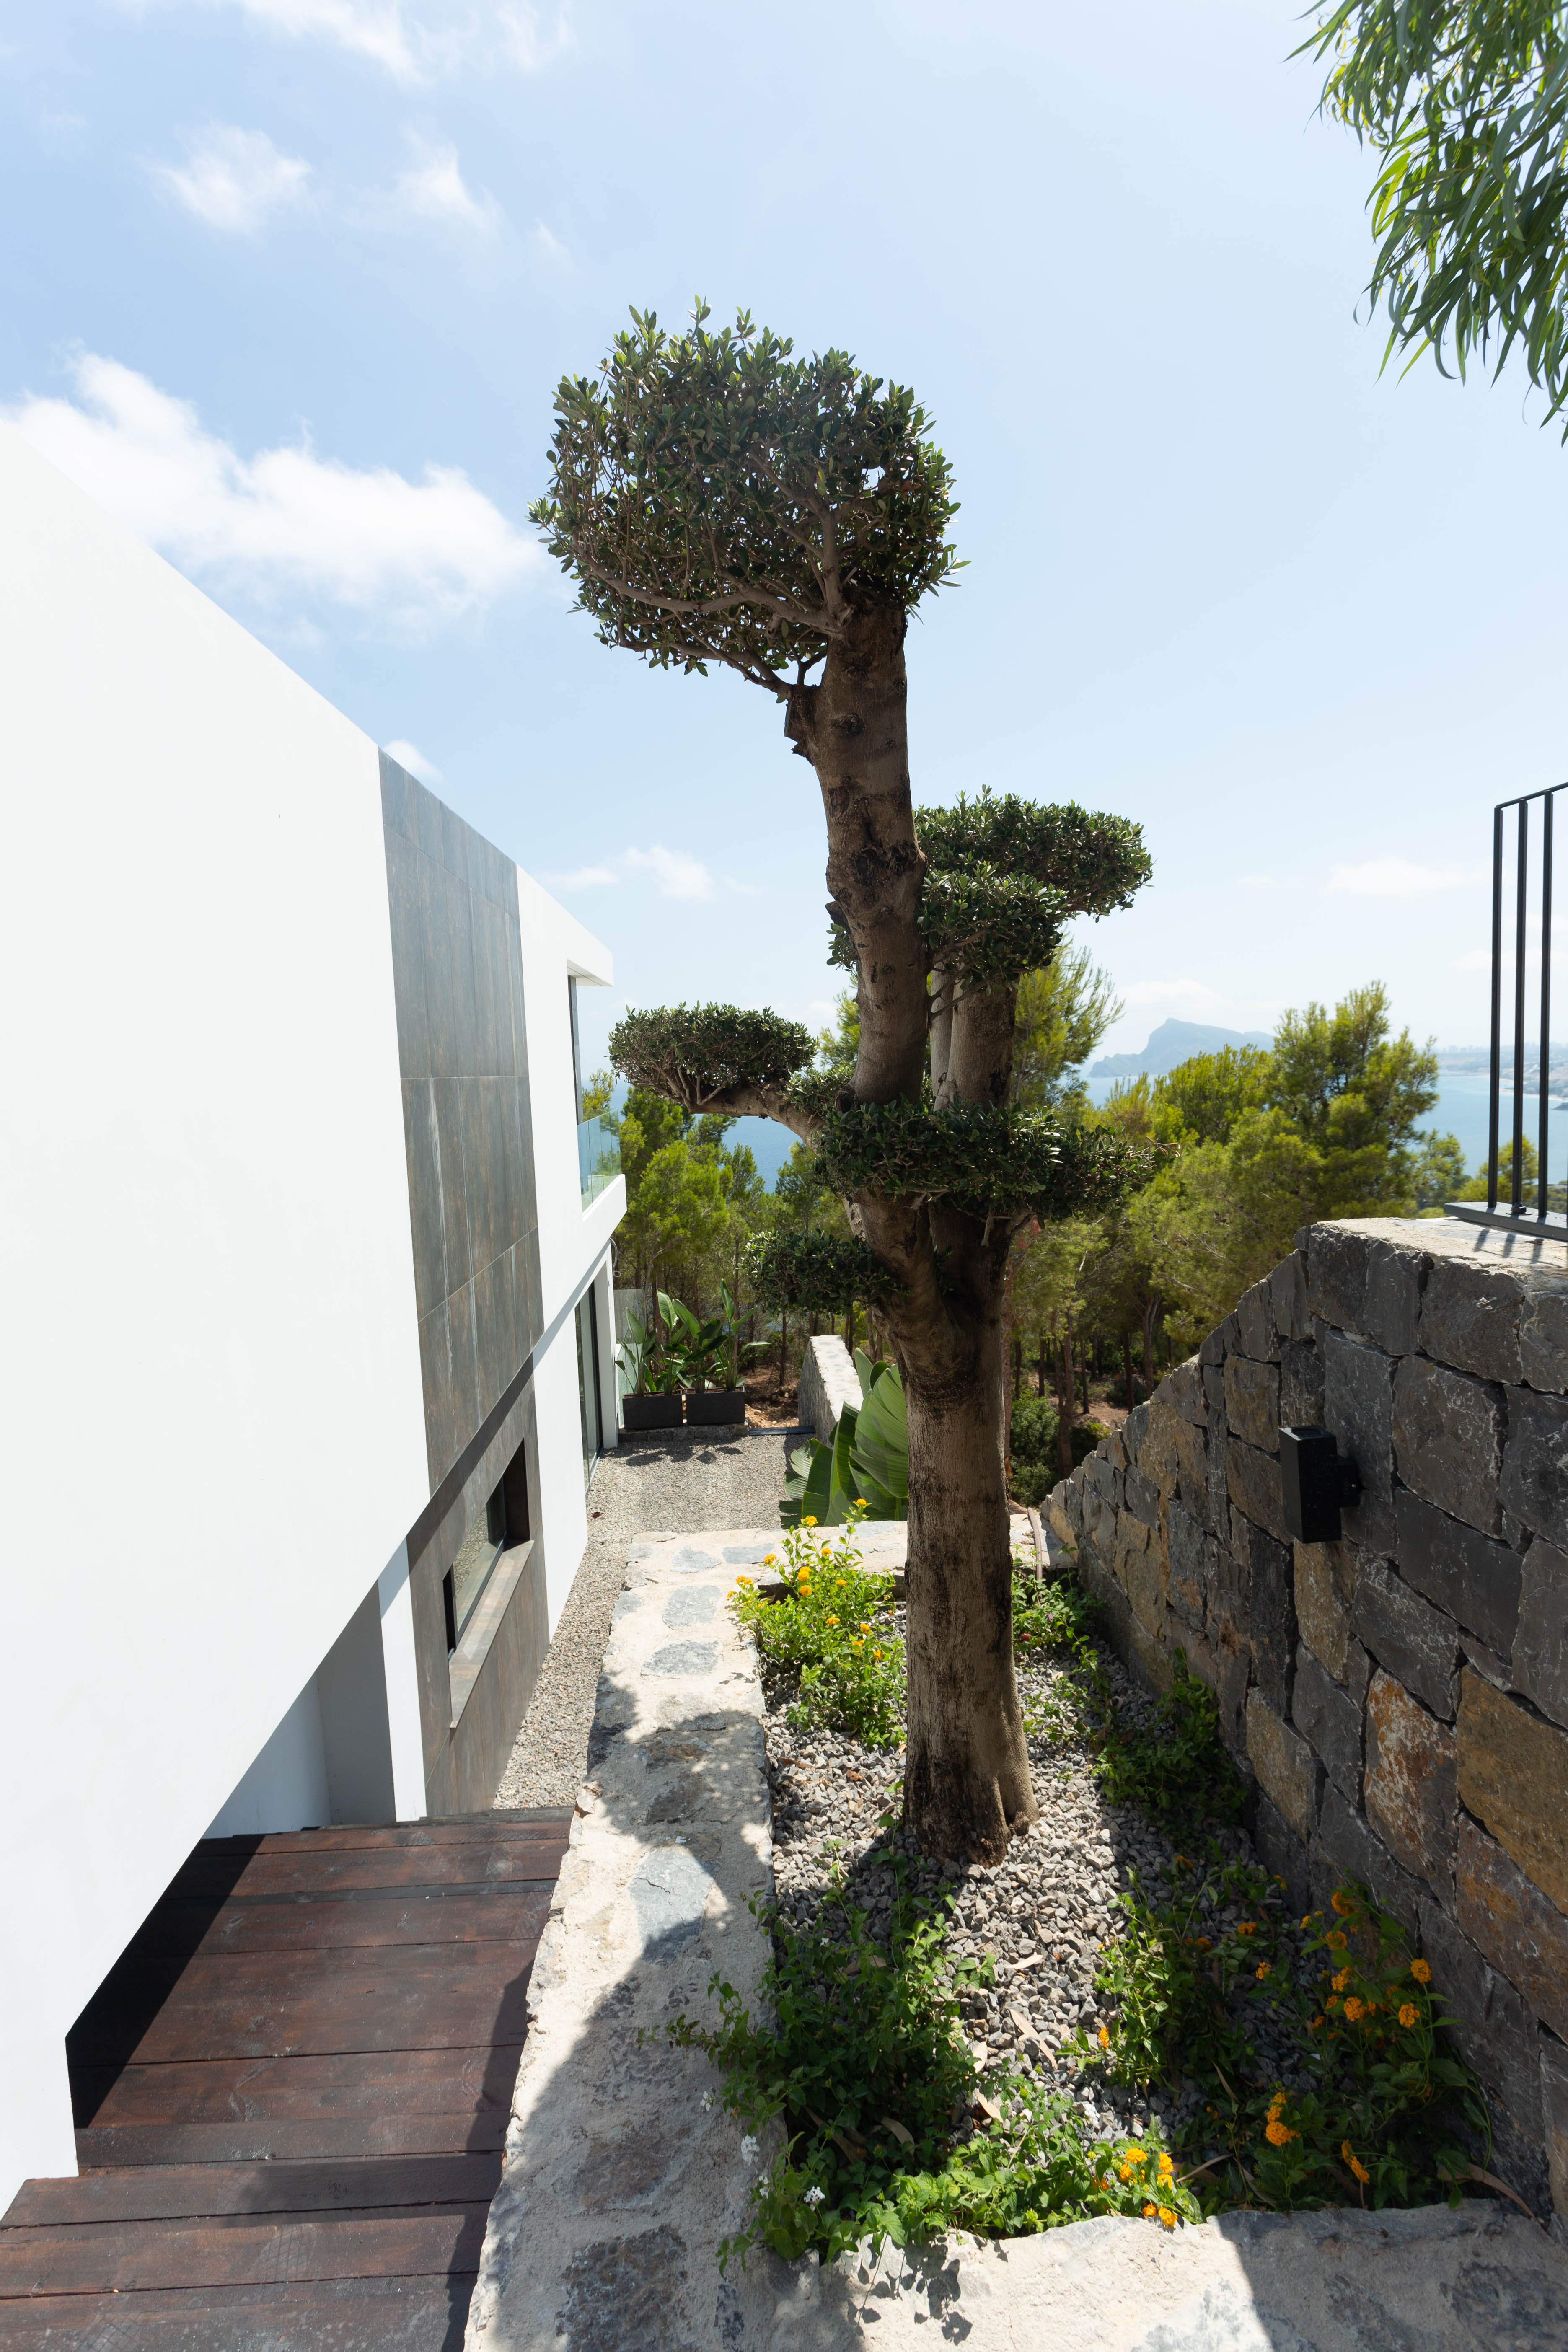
[[672, 872], [408, 755], [1255, 881], [674, 875], [1396, 878], [414, 554], [417, 40], [234, 180], [551, 247], [435, 190], [1192, 993]]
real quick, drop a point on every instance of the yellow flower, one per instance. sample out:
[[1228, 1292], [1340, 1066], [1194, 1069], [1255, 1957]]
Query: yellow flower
[[1277, 2105], [1261, 1970], [1203, 1943], [1135, 2155], [809, 1521], [770, 1560], [1247, 1928], [1342, 1980], [1337, 1941], [1308, 1920], [1168, 2217], [1361, 2174], [1409, 2014], [1126, 2172], [1342, 1904], [1148, 2212], [1420, 1971], [1279, 2135], [1354, 2010], [1333, 2003], [1315, 2022], [1166, 2168], [833, 1620], [1105, 2037], [865, 1625]]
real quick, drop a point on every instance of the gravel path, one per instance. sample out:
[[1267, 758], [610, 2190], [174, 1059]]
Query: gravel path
[[676, 1481]]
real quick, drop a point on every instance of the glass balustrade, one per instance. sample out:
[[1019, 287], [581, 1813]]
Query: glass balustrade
[[598, 1158]]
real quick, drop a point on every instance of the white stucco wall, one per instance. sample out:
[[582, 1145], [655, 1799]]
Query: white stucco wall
[[213, 1418]]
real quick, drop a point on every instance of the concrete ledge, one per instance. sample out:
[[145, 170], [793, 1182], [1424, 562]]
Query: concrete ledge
[[828, 1381]]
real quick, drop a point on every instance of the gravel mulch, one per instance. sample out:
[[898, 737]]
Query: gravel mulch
[[670, 1481], [1041, 1913]]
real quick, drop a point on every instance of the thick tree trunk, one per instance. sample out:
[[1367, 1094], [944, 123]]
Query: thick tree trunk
[[980, 1056], [966, 1779], [853, 728]]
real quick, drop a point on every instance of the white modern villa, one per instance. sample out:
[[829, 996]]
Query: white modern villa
[[307, 1305]]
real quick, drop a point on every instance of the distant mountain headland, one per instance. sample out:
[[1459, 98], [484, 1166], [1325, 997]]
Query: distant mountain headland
[[1170, 1045]]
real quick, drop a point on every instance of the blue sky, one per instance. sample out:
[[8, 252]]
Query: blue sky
[[289, 284]]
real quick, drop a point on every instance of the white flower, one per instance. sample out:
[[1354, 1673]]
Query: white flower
[[707, 2103], [814, 2196], [748, 2149]]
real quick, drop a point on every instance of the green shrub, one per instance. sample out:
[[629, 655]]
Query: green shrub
[[1178, 1766], [1036, 1469], [831, 1634], [866, 2064], [1368, 2105]]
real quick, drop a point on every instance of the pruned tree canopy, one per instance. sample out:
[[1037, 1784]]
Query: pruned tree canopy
[[815, 1273], [719, 500]]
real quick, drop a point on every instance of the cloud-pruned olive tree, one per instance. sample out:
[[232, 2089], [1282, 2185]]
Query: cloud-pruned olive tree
[[717, 500]]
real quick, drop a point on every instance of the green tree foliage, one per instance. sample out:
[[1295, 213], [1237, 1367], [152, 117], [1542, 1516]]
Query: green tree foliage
[[1439, 1171], [1064, 1010], [1323, 1126], [1465, 103], [1202, 1099]]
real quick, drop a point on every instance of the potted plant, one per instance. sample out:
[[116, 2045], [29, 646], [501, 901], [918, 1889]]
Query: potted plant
[[712, 1349], [651, 1399]]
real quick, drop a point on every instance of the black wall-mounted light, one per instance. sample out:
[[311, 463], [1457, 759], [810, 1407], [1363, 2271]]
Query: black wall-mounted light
[[1319, 1482]]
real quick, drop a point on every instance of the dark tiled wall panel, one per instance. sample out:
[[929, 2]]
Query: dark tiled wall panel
[[1397, 1701], [458, 973]]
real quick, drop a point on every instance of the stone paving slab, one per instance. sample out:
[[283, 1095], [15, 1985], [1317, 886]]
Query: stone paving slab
[[618, 2184]]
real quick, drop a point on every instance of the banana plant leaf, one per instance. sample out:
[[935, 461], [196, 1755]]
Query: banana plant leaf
[[867, 1460], [808, 1484], [880, 1460]]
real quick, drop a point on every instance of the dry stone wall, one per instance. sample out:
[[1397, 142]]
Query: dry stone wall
[[1397, 1701]]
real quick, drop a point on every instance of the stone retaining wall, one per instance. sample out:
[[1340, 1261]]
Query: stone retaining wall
[[1396, 1701]]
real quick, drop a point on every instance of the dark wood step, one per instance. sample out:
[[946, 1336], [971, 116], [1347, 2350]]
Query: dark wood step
[[239, 2251], [473, 2133], [472, 1863], [356, 2085], [195, 2191], [346, 1918], [395, 2315], [469, 1829]]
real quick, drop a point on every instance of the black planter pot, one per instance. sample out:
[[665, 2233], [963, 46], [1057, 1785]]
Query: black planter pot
[[650, 1411], [707, 1407]]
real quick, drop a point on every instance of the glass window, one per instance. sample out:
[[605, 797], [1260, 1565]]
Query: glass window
[[588, 1381], [502, 1523]]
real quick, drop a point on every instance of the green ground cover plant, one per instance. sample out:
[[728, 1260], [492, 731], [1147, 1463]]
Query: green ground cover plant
[[831, 1633], [1313, 2046], [857, 2050]]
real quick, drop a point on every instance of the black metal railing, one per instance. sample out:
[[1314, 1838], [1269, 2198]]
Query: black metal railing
[[1516, 1214]]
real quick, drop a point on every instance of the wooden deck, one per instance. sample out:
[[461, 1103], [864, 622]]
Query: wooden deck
[[291, 2094]]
